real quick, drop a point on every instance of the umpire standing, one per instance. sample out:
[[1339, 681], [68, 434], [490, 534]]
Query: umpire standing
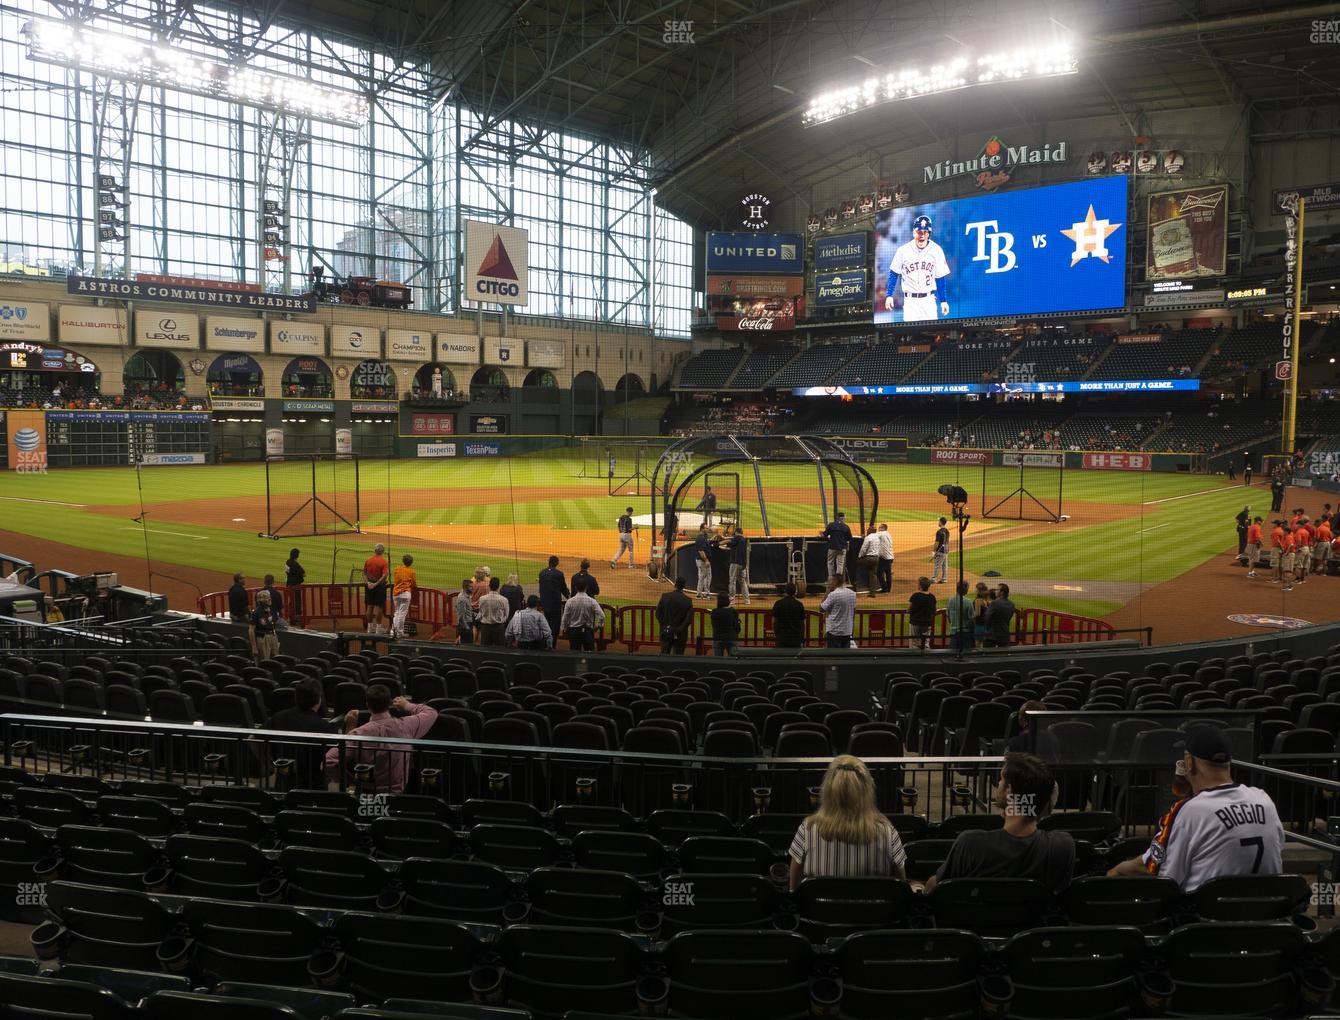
[[553, 591], [1244, 520], [1276, 491]]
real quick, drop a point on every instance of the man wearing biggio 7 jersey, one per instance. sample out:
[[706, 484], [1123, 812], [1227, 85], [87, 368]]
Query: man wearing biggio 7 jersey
[[922, 265], [1222, 828]]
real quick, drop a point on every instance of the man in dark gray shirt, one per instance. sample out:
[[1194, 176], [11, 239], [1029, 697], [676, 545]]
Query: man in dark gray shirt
[[999, 616], [674, 612], [1018, 849]]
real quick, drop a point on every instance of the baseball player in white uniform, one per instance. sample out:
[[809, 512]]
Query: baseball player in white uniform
[[924, 271], [1221, 828]]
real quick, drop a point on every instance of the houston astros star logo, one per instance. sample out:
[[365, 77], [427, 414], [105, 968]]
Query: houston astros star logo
[[1090, 236]]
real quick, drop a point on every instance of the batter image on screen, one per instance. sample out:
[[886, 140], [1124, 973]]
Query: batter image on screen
[[921, 267]]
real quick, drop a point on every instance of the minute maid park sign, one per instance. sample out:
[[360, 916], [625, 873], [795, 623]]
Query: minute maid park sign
[[993, 165]]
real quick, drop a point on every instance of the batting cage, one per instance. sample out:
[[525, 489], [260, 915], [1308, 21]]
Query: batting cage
[[779, 492], [1026, 487], [311, 495]]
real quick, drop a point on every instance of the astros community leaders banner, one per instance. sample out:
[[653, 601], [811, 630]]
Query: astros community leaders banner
[[496, 266], [1188, 233], [1055, 249], [148, 290]]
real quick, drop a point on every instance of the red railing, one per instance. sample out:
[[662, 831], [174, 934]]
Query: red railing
[[636, 627]]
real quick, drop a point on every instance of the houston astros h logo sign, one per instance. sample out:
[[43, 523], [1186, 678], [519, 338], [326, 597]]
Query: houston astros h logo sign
[[497, 265], [754, 211]]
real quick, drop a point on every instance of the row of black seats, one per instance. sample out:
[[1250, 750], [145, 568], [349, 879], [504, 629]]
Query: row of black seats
[[1254, 968]]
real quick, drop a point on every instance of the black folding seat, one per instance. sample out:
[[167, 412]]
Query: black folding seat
[[954, 824], [84, 696], [105, 927], [199, 1006], [734, 855], [775, 830], [252, 942], [991, 907], [634, 853], [1233, 968], [125, 701], [570, 819], [171, 706], [517, 847], [399, 837], [477, 811], [51, 808], [693, 901], [334, 879], [84, 787], [1252, 897], [335, 802], [224, 821], [415, 957], [224, 869], [923, 973], [1134, 900], [835, 907], [724, 975], [568, 896], [673, 825], [1084, 973], [23, 845], [227, 710], [552, 971], [924, 856], [149, 818], [471, 892], [29, 997], [1090, 826], [320, 830]]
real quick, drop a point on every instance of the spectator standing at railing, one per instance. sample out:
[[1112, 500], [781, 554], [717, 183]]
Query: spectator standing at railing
[[725, 626], [788, 619], [491, 616], [553, 591], [674, 612], [921, 612], [591, 585], [390, 763], [375, 572], [465, 614], [516, 598], [238, 609], [294, 575], [999, 617], [529, 628], [403, 584], [961, 635], [582, 618], [885, 559], [276, 597], [261, 629], [839, 609]]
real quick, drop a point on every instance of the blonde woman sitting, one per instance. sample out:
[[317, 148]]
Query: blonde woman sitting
[[847, 837]]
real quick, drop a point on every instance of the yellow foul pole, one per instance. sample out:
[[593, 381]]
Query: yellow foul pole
[[1290, 419]]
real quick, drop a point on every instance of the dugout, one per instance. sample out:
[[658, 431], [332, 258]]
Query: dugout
[[781, 490]]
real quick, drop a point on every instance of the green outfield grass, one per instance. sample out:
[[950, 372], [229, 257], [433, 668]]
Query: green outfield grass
[[1123, 535]]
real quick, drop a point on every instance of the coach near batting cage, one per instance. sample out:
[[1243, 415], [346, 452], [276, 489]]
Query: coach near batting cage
[[778, 493]]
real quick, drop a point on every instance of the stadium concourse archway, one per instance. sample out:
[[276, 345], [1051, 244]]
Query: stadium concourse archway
[[587, 396], [434, 381], [235, 375], [372, 380], [778, 491], [152, 373], [540, 379], [631, 384], [307, 377], [489, 385]]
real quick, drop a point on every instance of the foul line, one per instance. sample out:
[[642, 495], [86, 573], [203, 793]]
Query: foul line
[[1188, 495], [44, 502], [158, 531], [1156, 527]]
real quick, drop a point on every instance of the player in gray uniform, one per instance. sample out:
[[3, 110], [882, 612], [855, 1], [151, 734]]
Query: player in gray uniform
[[625, 526], [924, 270]]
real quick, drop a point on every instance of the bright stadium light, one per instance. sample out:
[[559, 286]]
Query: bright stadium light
[[105, 53], [959, 73]]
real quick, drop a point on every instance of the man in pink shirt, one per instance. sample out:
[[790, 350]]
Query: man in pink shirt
[[390, 762]]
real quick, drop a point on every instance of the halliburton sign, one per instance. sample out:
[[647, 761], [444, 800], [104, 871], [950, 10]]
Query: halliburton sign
[[1118, 462]]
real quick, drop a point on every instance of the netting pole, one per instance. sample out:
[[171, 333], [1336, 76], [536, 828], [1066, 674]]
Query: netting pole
[[1060, 489], [314, 521], [269, 513]]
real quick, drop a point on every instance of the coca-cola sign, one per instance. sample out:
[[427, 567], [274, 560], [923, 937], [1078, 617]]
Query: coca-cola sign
[[770, 323]]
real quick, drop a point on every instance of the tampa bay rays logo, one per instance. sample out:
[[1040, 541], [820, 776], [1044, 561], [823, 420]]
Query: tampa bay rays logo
[[1090, 236]]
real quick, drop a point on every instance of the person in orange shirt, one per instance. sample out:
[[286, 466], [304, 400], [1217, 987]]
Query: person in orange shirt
[[403, 584], [1277, 552], [480, 587], [1287, 559], [375, 573], [1253, 546], [1321, 548], [1302, 550]]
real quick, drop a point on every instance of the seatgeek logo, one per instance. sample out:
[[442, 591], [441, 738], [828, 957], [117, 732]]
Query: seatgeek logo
[[497, 267]]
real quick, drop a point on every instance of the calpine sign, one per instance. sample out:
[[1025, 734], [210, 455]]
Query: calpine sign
[[994, 165]]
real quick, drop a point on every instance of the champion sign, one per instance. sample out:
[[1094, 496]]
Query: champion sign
[[849, 287]]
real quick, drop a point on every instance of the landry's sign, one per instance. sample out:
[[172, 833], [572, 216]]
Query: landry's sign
[[993, 165], [194, 294]]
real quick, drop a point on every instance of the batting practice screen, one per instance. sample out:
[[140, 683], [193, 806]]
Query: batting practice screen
[[1054, 249]]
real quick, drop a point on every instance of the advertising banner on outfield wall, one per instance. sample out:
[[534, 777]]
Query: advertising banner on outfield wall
[[755, 286], [88, 324], [355, 342], [274, 442], [431, 424], [229, 333], [25, 320], [27, 436], [297, 338], [1050, 460], [961, 456], [166, 459], [499, 350], [409, 345], [435, 450], [1188, 234], [495, 264], [458, 348], [172, 330], [1118, 462], [544, 353], [344, 442], [483, 449]]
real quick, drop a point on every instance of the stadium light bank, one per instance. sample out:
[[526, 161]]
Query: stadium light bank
[[153, 63], [960, 73]]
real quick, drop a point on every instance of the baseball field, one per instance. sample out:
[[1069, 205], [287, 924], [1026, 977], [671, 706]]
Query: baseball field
[[1138, 548]]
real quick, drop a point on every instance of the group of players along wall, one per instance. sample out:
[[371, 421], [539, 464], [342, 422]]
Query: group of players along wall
[[340, 379]]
